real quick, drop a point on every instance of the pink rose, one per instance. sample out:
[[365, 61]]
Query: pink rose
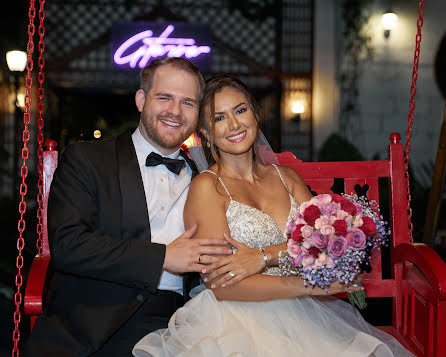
[[293, 249], [319, 240], [321, 200], [330, 263], [307, 231], [337, 247], [341, 214], [307, 261], [307, 244], [299, 219], [349, 219], [321, 221], [321, 259], [331, 208], [327, 230], [357, 222], [356, 238]]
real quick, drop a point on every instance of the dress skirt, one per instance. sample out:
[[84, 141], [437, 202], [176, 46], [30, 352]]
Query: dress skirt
[[302, 326]]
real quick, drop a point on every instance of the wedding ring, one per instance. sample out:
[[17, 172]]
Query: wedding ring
[[231, 274], [200, 258], [355, 285]]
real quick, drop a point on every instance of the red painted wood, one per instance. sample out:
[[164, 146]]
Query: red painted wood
[[37, 279], [418, 284]]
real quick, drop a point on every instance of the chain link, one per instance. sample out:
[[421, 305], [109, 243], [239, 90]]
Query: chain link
[[40, 124], [23, 173], [413, 91]]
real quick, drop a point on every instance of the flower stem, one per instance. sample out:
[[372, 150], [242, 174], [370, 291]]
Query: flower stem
[[358, 298]]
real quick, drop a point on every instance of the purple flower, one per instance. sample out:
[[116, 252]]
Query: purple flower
[[319, 240], [337, 247], [356, 238], [297, 261], [358, 208], [330, 209]]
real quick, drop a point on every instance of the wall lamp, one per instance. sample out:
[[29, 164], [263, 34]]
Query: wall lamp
[[297, 108], [389, 21]]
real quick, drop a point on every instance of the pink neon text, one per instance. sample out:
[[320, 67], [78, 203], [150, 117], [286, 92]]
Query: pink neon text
[[153, 47]]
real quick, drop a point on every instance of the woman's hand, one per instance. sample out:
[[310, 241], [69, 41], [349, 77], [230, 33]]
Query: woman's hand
[[234, 268], [336, 287]]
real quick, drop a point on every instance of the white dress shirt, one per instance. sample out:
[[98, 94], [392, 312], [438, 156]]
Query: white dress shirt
[[166, 195]]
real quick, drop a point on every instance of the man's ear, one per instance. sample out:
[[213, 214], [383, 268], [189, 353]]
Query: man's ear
[[140, 99]]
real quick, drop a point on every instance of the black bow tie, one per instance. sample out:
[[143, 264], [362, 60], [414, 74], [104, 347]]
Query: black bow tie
[[174, 165]]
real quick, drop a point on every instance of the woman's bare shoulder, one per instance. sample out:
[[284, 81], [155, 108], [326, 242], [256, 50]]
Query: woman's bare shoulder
[[296, 185]]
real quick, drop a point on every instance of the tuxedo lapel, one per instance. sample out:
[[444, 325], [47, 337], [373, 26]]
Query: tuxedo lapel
[[135, 218]]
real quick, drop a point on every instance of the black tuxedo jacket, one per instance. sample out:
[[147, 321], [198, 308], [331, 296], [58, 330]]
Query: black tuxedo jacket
[[99, 235]]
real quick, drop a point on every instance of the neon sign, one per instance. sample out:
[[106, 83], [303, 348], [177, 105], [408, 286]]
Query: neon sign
[[140, 48]]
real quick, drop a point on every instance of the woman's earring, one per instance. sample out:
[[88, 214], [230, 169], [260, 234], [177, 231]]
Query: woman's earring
[[208, 145]]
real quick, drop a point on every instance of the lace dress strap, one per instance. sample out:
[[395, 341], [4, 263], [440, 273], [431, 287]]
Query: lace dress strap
[[281, 178], [221, 181]]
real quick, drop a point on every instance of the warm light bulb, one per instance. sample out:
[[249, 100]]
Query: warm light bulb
[[389, 21], [16, 60], [21, 100], [97, 134], [297, 108]]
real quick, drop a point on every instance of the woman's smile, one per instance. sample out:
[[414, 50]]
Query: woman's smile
[[237, 137]]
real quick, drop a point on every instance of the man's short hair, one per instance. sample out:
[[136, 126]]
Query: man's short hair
[[148, 72]]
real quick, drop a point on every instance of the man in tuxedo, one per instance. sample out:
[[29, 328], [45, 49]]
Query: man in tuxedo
[[115, 222]]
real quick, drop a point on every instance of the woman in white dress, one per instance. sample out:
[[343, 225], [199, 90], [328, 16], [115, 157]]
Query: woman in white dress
[[246, 308]]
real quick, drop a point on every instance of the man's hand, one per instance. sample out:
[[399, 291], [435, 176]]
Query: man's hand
[[188, 255]]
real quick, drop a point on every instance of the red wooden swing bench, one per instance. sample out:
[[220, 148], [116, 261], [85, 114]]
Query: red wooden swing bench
[[418, 275]]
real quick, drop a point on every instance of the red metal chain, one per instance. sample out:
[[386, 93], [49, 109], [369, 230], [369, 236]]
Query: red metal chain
[[40, 109], [23, 174], [413, 91]]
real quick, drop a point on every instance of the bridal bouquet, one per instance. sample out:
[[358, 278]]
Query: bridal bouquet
[[331, 239]]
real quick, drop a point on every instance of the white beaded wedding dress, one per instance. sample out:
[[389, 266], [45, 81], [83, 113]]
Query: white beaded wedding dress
[[302, 326]]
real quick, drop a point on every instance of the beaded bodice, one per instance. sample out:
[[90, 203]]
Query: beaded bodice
[[255, 228]]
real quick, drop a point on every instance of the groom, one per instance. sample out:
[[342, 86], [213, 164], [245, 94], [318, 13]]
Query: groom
[[116, 226]]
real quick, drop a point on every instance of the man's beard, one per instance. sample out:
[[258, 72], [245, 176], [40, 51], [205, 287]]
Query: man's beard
[[152, 131]]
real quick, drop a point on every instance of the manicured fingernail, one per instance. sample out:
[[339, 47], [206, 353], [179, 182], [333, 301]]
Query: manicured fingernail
[[205, 280], [223, 285], [230, 251], [204, 271], [213, 286]]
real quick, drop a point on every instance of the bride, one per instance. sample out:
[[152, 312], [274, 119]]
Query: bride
[[246, 308]]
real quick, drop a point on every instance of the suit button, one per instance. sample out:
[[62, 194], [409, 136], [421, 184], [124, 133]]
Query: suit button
[[140, 297]]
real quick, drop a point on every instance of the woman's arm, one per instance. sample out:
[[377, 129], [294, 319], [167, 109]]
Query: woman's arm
[[248, 261], [207, 207]]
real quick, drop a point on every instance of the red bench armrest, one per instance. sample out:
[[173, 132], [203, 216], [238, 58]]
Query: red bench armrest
[[427, 261], [35, 287]]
